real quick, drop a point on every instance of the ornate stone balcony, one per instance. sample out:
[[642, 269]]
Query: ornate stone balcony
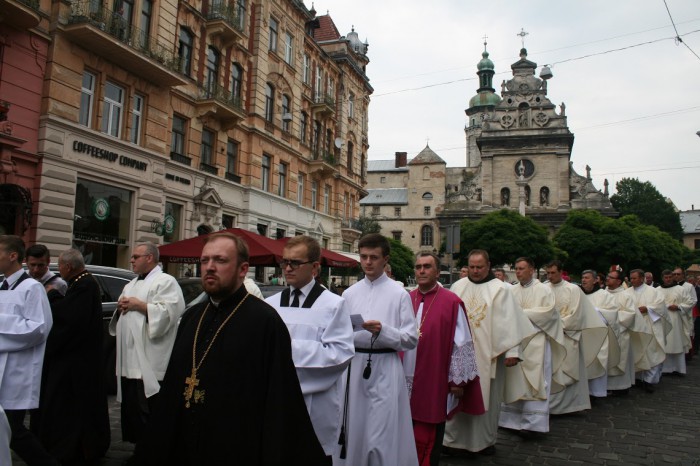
[[107, 34], [224, 21], [215, 102], [323, 104], [22, 14]]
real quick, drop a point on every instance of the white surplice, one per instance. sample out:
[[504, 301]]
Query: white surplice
[[322, 347], [379, 424], [609, 354], [584, 334], [635, 336], [531, 410], [25, 322], [657, 318], [677, 340], [498, 327], [144, 343]]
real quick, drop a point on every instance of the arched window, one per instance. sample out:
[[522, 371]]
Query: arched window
[[351, 148], [236, 83], [426, 235], [505, 197], [428, 196], [426, 173], [212, 71], [269, 102], [286, 113]]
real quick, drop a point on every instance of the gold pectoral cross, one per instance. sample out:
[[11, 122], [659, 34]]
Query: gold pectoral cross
[[190, 382]]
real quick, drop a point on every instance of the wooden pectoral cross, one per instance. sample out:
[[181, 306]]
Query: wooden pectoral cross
[[190, 382]]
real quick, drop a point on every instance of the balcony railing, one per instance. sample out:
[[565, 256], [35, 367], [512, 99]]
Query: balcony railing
[[228, 13], [325, 156], [179, 158], [92, 12], [351, 223], [21, 14], [221, 95]]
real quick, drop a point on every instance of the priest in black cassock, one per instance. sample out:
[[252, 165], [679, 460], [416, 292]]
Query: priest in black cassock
[[230, 395], [72, 421]]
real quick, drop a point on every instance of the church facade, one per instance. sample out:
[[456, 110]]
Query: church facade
[[518, 157]]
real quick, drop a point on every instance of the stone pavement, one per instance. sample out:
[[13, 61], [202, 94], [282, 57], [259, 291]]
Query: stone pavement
[[662, 428]]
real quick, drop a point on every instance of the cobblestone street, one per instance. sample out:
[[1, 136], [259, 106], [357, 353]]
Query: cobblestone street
[[641, 428]]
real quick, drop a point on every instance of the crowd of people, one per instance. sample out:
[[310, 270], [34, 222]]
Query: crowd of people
[[377, 376]]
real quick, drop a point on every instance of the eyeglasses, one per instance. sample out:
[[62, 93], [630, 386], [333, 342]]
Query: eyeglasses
[[613, 278], [138, 256], [294, 264]]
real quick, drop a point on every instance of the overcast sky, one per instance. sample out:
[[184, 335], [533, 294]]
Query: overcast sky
[[634, 112]]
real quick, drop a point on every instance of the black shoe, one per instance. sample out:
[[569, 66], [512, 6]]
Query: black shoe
[[488, 451], [449, 451], [649, 388]]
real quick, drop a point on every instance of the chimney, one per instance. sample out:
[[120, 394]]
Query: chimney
[[401, 159]]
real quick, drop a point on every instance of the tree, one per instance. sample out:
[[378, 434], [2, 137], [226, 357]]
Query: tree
[[592, 241], [648, 204], [401, 260], [368, 225], [506, 235], [658, 249]]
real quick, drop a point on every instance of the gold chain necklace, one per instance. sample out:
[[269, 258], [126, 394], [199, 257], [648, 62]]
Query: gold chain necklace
[[77, 279], [192, 381], [425, 314]]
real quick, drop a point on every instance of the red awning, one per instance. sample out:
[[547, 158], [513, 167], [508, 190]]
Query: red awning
[[330, 258], [263, 250]]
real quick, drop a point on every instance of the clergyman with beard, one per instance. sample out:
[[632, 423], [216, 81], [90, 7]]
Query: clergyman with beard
[[230, 393]]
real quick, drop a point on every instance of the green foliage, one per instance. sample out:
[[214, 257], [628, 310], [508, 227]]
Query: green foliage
[[402, 260], [368, 225], [593, 241], [506, 235], [634, 197]]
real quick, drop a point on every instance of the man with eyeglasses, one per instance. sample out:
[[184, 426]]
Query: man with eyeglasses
[[634, 337], [322, 337], [441, 371], [145, 324], [379, 428]]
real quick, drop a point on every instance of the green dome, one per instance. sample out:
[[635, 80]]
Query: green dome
[[484, 99], [485, 63]]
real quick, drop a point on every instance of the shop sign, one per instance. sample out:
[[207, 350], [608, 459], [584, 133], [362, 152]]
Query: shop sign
[[169, 224], [98, 238], [109, 156], [178, 179]]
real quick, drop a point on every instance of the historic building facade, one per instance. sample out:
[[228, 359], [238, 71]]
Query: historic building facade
[[518, 157], [164, 120], [24, 44]]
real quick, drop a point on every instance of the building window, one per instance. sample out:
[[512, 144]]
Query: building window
[[236, 83], [228, 221], [351, 148], [123, 19], [282, 187], [382, 179], [212, 71], [426, 235], [314, 195], [527, 195], [185, 51], [280, 233], [269, 102], [396, 235], [307, 69], [375, 210], [286, 113], [136, 119], [315, 137], [232, 157], [146, 14], [207, 150], [397, 212], [327, 199], [505, 197], [426, 173], [273, 35], [265, 177], [427, 196], [87, 99], [303, 127], [329, 138], [300, 189], [319, 84], [289, 49], [177, 142], [112, 110], [330, 87], [240, 14], [262, 230], [351, 105], [426, 211]]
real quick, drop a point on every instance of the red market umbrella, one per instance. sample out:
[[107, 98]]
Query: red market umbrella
[[330, 258], [263, 250]]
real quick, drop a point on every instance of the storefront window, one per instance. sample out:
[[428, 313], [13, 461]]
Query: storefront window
[[101, 222]]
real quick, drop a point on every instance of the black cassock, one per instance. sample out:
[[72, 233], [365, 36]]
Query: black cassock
[[247, 408], [72, 421]]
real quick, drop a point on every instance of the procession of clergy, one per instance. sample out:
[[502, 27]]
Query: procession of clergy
[[377, 376]]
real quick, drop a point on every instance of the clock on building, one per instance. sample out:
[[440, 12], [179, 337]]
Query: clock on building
[[527, 166]]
